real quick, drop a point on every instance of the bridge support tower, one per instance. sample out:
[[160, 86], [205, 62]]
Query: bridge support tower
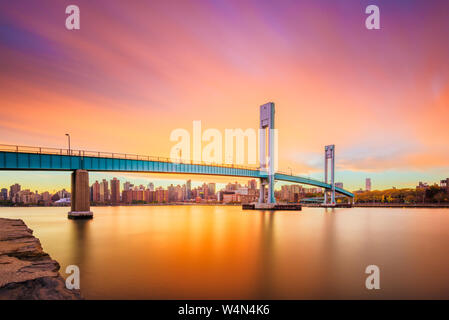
[[329, 155], [266, 157], [80, 196]]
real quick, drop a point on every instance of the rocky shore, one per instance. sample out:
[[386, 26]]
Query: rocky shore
[[26, 271]]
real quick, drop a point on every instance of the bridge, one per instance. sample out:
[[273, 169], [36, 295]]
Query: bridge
[[80, 162]]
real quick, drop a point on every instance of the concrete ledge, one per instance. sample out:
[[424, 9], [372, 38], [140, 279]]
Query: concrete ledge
[[272, 206], [261, 206], [80, 215]]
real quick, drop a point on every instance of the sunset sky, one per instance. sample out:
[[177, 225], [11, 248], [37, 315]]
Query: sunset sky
[[136, 70]]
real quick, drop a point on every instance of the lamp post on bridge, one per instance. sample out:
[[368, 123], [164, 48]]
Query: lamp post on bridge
[[68, 136], [179, 154]]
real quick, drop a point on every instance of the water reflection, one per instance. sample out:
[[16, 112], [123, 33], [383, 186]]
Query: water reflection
[[80, 240], [210, 252], [266, 256], [328, 253]]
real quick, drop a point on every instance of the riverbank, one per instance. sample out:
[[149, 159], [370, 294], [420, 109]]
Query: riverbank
[[132, 204], [380, 205], [310, 205], [27, 272], [400, 205]]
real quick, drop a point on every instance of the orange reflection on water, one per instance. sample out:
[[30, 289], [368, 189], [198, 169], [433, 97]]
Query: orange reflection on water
[[222, 252]]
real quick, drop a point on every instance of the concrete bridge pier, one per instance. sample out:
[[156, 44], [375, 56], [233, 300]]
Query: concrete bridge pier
[[262, 191], [80, 196]]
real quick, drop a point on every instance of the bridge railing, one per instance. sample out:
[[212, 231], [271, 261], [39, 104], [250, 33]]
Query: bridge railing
[[127, 156], [113, 155], [294, 175]]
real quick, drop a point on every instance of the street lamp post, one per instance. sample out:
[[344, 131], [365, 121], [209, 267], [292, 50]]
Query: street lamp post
[[68, 136], [179, 155]]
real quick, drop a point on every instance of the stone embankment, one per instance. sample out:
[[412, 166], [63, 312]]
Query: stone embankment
[[26, 271]]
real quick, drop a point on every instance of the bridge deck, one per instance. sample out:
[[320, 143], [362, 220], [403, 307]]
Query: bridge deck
[[32, 158]]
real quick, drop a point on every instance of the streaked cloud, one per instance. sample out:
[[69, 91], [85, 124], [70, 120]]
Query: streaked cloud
[[136, 71]]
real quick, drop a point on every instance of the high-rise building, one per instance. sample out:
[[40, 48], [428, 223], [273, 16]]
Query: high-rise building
[[161, 195], [205, 190], [106, 194], [138, 195], [291, 193], [115, 191], [179, 193], [63, 194], [45, 197], [368, 184], [127, 196], [252, 184], [101, 195], [25, 197], [148, 196], [126, 186], [171, 193], [96, 192], [232, 186], [13, 190], [151, 186], [211, 188], [339, 185], [4, 194], [189, 189]]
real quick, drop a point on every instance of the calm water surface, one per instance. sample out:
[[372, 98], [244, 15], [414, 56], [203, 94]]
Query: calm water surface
[[217, 252]]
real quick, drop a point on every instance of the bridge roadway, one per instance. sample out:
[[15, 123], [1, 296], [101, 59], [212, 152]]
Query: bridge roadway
[[38, 158]]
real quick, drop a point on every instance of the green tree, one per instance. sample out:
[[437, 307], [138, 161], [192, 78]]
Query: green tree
[[440, 196], [410, 198]]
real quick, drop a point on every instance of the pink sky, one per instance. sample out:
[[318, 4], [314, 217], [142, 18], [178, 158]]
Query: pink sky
[[134, 72]]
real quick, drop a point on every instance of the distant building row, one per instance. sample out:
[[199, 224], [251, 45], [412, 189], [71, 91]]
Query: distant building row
[[17, 195]]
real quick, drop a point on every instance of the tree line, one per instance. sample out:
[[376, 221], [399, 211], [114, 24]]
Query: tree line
[[432, 194]]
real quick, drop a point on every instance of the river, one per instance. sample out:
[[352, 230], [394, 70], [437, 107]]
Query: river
[[222, 252]]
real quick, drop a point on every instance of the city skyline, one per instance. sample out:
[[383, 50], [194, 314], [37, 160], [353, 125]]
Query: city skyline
[[34, 180], [384, 111], [106, 192], [110, 191]]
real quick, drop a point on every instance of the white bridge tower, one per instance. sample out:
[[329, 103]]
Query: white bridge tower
[[266, 157], [329, 155]]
